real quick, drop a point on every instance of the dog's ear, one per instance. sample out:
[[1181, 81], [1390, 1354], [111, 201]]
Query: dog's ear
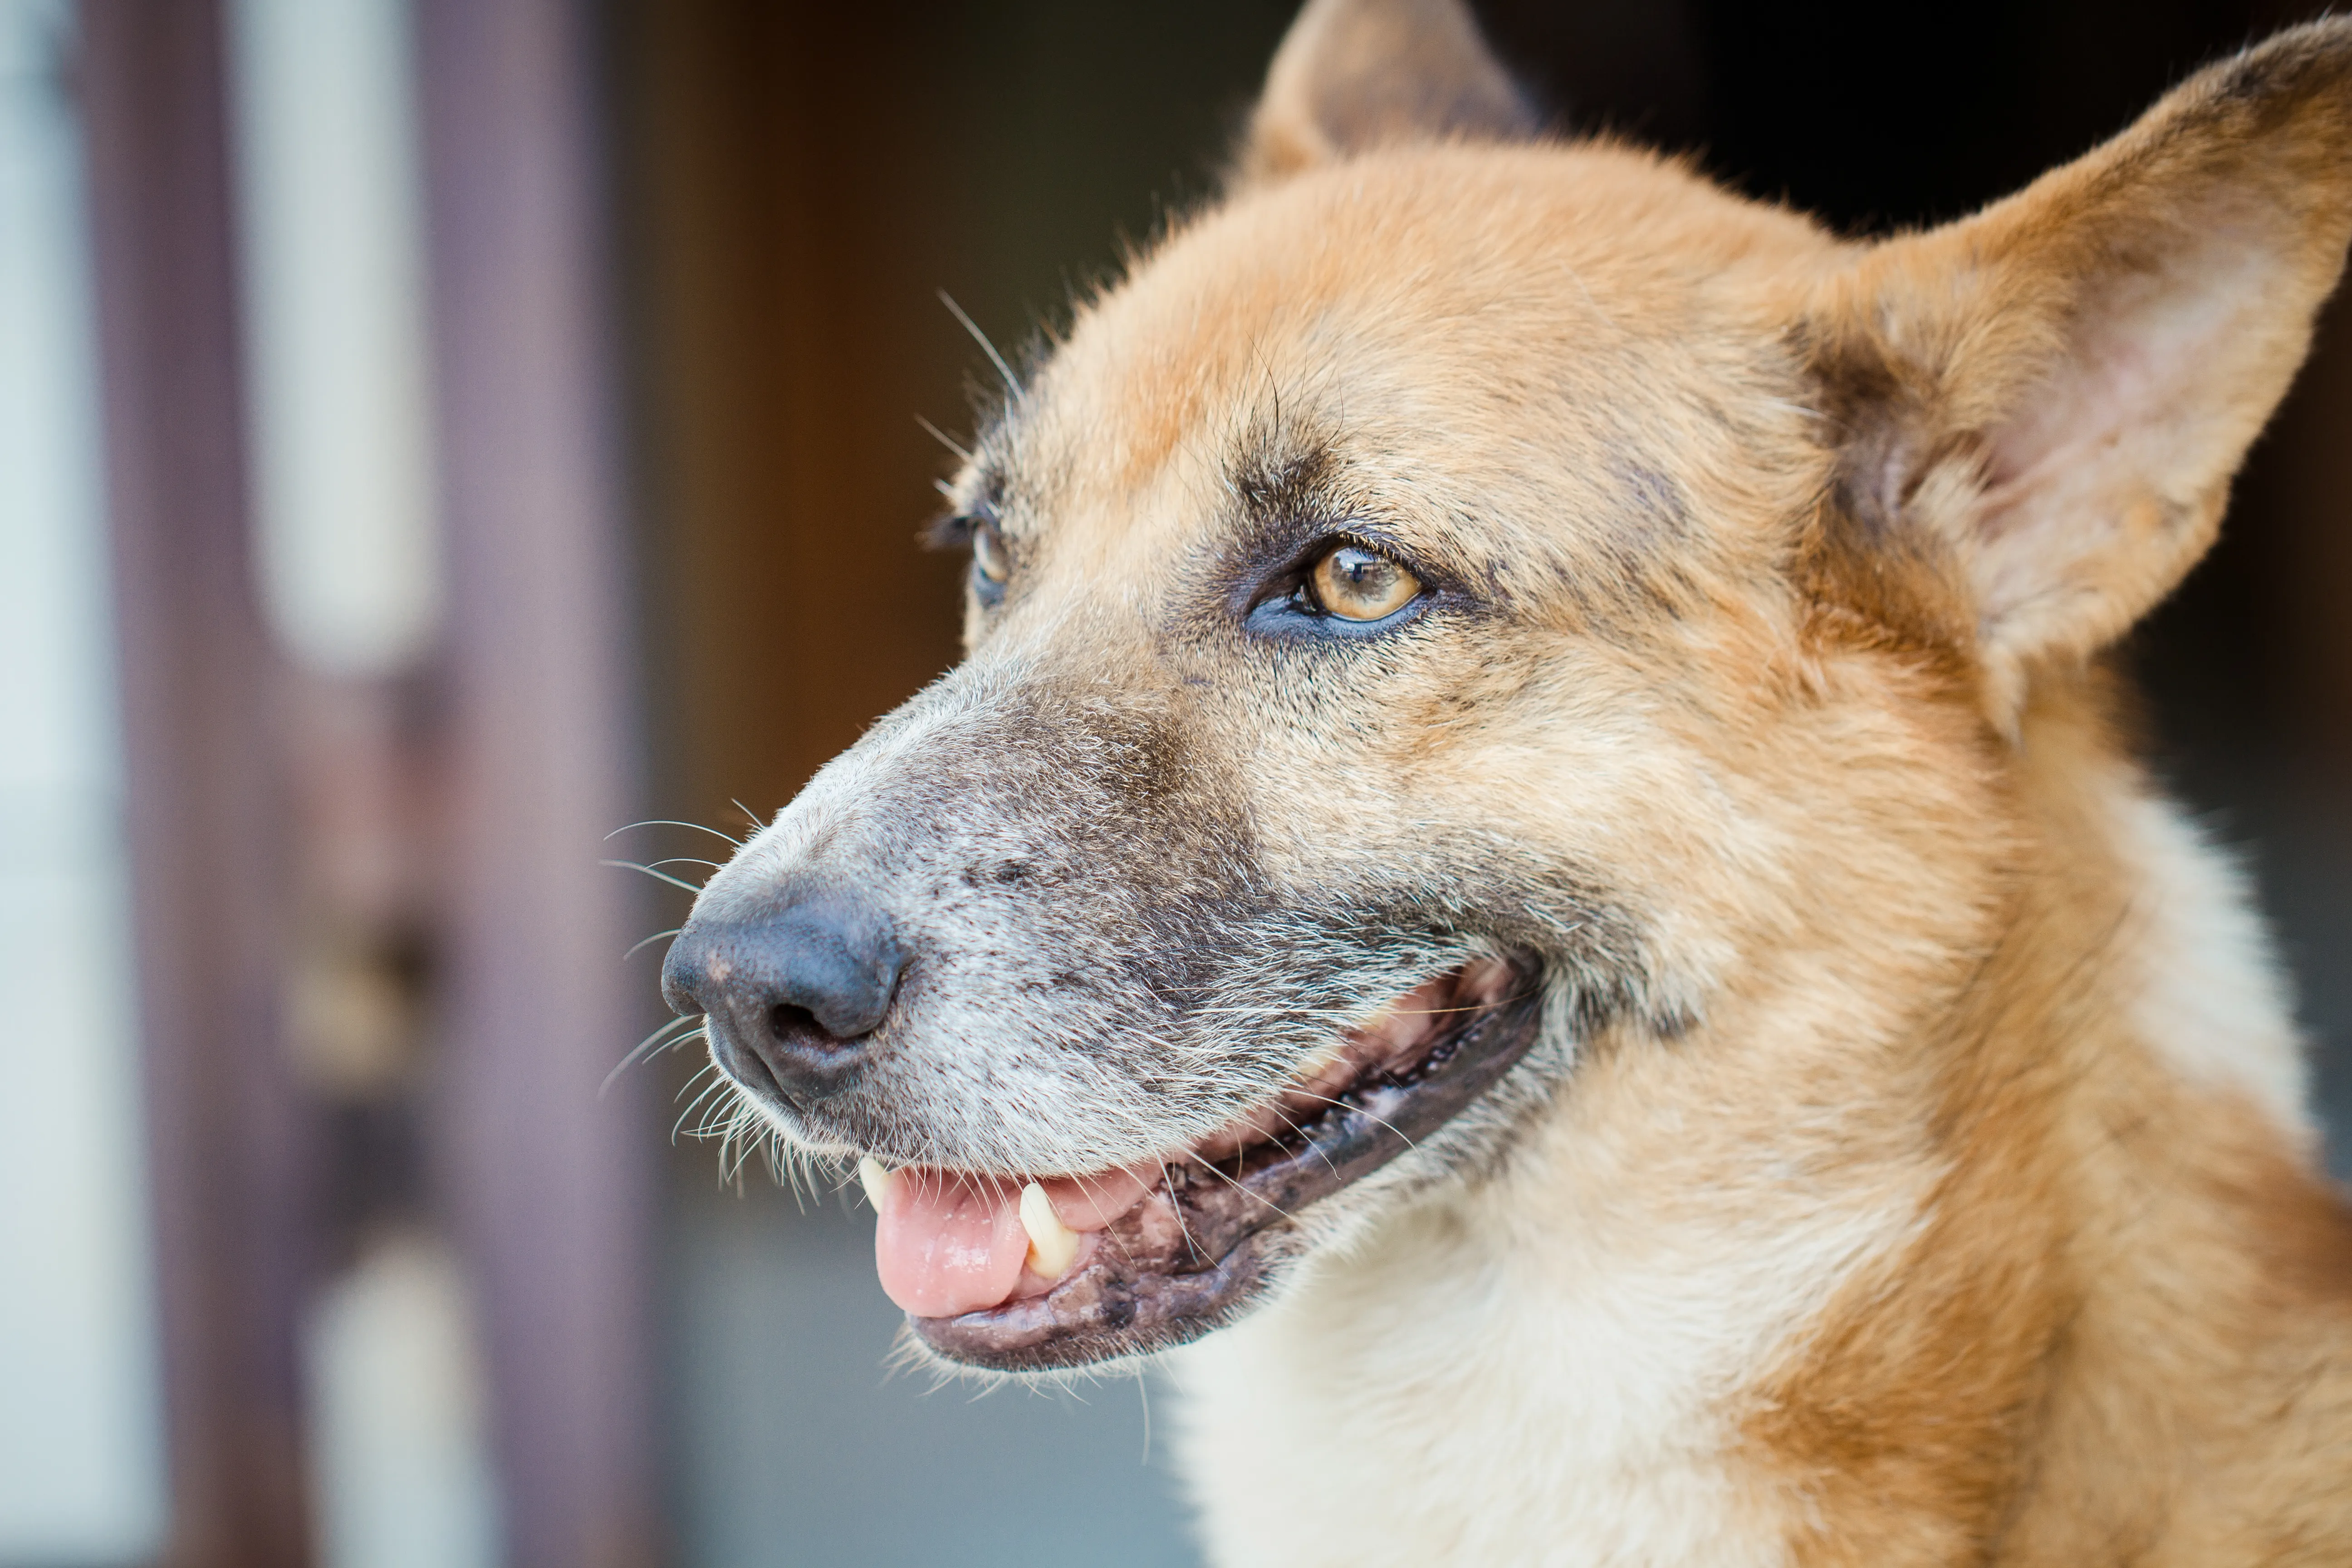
[[1357, 74], [2039, 408]]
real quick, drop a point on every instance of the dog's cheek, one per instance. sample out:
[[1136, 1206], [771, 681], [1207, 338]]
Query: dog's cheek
[[1547, 813]]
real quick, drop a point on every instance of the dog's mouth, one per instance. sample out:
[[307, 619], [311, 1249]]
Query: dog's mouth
[[1023, 1275]]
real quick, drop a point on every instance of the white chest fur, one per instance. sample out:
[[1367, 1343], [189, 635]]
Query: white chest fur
[[1471, 1388]]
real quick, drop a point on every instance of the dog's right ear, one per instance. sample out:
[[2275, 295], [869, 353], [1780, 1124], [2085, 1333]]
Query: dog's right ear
[[2039, 409], [1357, 74]]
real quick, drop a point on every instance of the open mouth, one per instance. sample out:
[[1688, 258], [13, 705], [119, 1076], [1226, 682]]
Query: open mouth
[[1024, 1275]]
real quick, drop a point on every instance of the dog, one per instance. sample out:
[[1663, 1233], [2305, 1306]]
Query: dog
[[1535, 875]]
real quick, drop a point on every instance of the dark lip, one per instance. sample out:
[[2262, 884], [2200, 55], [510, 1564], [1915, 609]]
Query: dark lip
[[747, 1069], [1142, 1292]]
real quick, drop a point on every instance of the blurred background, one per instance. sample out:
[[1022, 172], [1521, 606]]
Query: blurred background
[[435, 434]]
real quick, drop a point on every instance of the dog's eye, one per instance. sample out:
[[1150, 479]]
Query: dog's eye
[[989, 556], [1360, 585]]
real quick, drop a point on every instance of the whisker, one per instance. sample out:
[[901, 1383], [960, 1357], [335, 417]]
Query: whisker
[[1237, 1187], [1300, 1132], [672, 822], [1357, 1108], [650, 940], [651, 1045], [1105, 1232], [1182, 1228], [1143, 1391], [648, 871], [719, 1086], [1011, 382], [941, 436]]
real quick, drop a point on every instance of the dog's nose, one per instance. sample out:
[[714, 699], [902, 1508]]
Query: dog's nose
[[802, 990]]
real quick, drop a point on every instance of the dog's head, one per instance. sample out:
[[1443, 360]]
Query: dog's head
[[1465, 604]]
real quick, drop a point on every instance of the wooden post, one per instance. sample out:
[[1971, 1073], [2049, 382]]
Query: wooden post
[[549, 1182], [523, 753], [231, 1139]]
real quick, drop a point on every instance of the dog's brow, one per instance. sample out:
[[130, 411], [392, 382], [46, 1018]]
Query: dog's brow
[[1282, 471], [1283, 480], [1291, 485]]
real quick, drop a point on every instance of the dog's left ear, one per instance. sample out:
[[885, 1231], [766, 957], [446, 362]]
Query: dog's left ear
[[1352, 75], [2039, 408]]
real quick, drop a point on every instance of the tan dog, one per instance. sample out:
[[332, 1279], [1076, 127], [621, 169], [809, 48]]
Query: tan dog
[[1534, 834]]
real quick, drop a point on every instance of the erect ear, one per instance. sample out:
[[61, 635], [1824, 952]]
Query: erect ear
[[2040, 407], [1357, 74]]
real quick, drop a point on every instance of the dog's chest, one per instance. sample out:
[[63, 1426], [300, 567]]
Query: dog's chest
[[1446, 1396]]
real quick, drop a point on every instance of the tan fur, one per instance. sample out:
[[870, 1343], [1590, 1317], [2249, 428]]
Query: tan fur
[[2092, 1305], [1933, 1185]]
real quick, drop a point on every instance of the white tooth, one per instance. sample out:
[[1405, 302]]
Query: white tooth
[[1052, 1244], [878, 1180]]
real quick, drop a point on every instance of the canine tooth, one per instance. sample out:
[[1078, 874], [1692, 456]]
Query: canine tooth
[[878, 1179], [1052, 1244]]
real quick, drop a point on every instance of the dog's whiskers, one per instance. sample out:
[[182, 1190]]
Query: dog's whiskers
[[673, 822], [657, 876], [1210, 1167], [962, 453], [653, 1044], [1011, 383], [1360, 1110], [640, 947]]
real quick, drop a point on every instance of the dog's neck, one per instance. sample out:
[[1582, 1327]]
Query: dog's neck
[[1976, 1268]]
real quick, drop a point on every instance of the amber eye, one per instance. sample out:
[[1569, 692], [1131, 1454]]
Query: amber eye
[[989, 556], [1360, 585]]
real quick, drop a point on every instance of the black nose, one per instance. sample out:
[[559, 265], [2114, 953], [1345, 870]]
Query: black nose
[[802, 991]]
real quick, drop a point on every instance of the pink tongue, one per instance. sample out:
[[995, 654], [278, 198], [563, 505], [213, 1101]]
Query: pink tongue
[[948, 1244]]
